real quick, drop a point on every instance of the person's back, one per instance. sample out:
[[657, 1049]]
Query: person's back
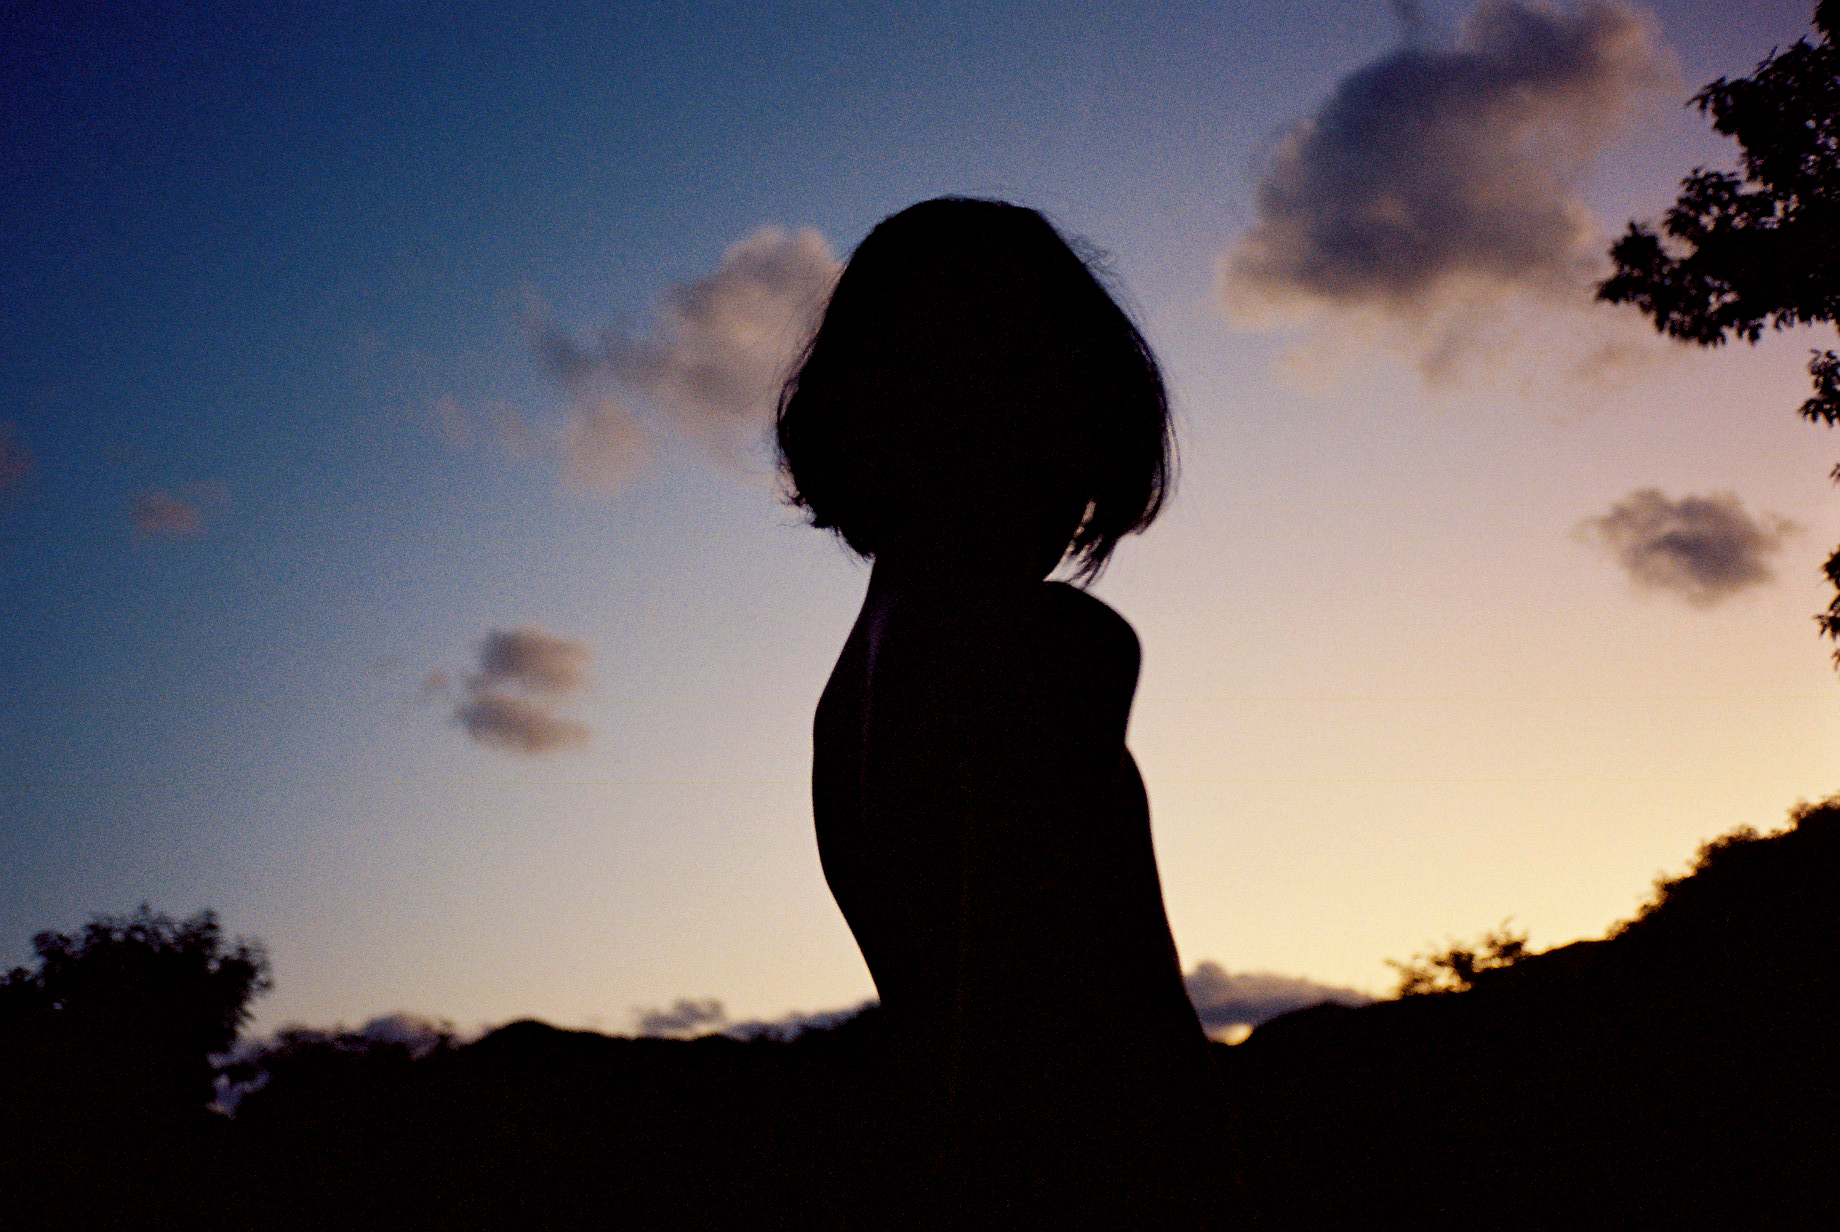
[[985, 833]]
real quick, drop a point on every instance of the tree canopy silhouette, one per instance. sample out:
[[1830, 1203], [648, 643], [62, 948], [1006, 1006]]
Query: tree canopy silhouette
[[1739, 252], [129, 1011]]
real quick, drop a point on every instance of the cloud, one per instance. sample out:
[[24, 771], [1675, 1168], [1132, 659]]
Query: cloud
[[517, 724], [1224, 1002], [15, 461], [534, 660], [1436, 181], [511, 701], [795, 1024], [179, 513], [1702, 549], [417, 1035], [691, 1016], [685, 1017], [709, 365], [247, 1066]]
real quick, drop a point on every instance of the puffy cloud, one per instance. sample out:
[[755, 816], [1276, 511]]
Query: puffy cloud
[[534, 660], [517, 724], [605, 445], [709, 366], [1224, 1002], [178, 513], [511, 701], [1436, 180], [415, 1034], [685, 1017], [1702, 549]]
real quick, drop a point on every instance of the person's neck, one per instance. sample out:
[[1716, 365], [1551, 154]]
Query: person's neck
[[962, 570]]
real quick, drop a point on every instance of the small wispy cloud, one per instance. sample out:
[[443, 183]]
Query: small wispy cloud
[[177, 513], [512, 700], [708, 366], [1440, 181], [1226, 1003], [686, 1016], [1700, 549]]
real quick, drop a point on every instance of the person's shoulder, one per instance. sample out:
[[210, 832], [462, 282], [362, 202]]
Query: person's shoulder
[[1019, 634], [1087, 620], [1072, 640]]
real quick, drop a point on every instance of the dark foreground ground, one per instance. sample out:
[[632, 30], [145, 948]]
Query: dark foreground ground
[[1681, 1073]]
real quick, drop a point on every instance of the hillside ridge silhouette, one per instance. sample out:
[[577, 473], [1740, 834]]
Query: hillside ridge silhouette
[[1676, 1071]]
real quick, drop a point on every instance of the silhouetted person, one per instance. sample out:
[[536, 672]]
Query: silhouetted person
[[974, 411]]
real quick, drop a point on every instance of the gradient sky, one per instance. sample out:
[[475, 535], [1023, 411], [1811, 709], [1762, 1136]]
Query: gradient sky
[[342, 337]]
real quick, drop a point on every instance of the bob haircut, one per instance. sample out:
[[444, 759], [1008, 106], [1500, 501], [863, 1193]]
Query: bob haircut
[[972, 379]]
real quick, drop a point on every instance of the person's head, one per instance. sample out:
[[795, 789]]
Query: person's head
[[972, 384]]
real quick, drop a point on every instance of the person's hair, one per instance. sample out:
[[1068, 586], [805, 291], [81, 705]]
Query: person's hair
[[971, 376]]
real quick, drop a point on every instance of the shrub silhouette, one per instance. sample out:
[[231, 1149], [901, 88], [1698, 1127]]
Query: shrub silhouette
[[1459, 967]]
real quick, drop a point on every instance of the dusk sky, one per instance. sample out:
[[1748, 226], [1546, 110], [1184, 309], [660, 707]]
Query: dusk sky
[[390, 556]]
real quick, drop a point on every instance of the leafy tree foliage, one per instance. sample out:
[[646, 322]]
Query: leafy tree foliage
[[129, 1011], [1739, 252], [1457, 968]]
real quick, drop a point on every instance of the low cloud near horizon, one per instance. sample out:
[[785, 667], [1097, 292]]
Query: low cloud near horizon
[[708, 367], [686, 1016], [1439, 182], [1224, 1002], [511, 702], [1700, 549]]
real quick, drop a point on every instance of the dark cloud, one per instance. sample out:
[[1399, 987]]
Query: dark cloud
[[517, 724], [1411, 15], [709, 366], [1699, 548], [1440, 174], [1224, 1001], [685, 1017], [534, 660], [511, 701], [178, 513]]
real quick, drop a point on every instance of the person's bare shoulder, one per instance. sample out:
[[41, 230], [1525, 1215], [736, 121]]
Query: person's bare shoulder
[[1088, 627], [1047, 647], [1067, 647]]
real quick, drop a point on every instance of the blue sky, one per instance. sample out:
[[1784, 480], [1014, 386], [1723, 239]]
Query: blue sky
[[292, 454]]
